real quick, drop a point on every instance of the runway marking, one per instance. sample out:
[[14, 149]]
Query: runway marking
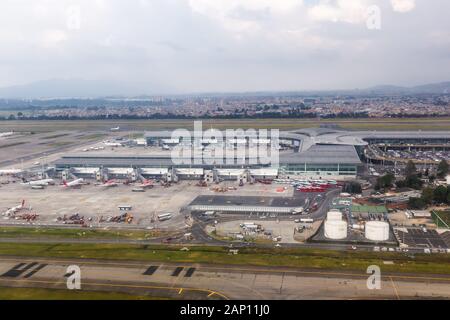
[[125, 286], [395, 288], [282, 280], [230, 268], [19, 269], [35, 270], [177, 271], [151, 270], [190, 272]]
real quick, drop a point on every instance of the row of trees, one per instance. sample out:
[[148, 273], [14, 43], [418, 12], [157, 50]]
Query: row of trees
[[438, 195], [238, 114], [414, 179], [352, 187]]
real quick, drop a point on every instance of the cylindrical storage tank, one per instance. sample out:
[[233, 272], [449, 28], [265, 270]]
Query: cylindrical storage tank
[[334, 215], [377, 230], [335, 229]]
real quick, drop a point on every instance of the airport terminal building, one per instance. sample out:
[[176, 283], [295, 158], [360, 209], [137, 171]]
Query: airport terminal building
[[297, 159], [318, 153]]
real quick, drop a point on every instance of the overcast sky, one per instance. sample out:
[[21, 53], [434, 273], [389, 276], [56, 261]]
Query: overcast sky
[[181, 46]]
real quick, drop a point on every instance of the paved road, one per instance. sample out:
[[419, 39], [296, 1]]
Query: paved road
[[201, 281]]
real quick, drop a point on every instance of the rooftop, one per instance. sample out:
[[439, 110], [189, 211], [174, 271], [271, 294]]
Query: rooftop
[[317, 154]]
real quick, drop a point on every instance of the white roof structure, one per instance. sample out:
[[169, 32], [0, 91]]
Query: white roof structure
[[261, 141], [86, 170], [237, 141], [241, 209], [120, 170], [421, 213], [264, 172], [230, 172], [209, 141], [170, 141], [190, 171], [154, 171]]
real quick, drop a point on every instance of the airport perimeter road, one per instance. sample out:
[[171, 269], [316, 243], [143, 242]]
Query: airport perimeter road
[[199, 281], [321, 212]]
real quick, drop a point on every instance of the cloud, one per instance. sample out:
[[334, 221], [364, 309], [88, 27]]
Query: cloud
[[53, 37], [224, 45], [403, 5], [243, 16], [349, 11]]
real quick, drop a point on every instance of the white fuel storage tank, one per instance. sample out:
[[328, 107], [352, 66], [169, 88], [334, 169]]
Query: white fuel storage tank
[[334, 215], [335, 229], [377, 230]]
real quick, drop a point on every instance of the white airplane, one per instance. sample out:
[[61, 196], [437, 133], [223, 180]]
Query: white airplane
[[42, 182], [74, 183], [10, 171], [112, 144], [13, 210], [109, 184], [115, 129], [6, 134]]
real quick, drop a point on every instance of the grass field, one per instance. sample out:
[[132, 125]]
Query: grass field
[[69, 233], [12, 145], [300, 258], [54, 136], [284, 124], [94, 136], [60, 144], [57, 294], [445, 216]]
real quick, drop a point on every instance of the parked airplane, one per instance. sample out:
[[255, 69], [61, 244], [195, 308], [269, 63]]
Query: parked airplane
[[8, 172], [146, 184], [13, 210], [6, 134], [112, 144], [42, 182], [109, 184], [115, 129], [74, 183]]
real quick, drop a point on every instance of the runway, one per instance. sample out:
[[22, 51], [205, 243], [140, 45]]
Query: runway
[[201, 282]]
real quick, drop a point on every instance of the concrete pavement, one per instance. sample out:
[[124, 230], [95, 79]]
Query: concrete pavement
[[200, 281]]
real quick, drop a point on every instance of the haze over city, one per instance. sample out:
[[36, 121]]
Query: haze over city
[[96, 48]]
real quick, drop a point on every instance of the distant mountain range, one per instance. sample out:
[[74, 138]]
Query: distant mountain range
[[433, 88], [78, 88]]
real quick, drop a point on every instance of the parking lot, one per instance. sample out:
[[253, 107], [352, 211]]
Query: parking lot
[[420, 155], [270, 230]]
